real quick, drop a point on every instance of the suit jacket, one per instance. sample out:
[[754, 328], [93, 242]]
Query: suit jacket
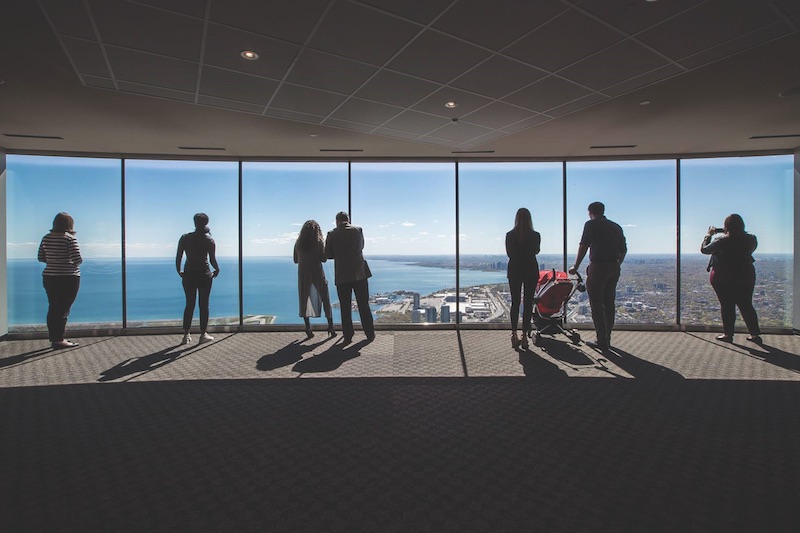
[[345, 246]]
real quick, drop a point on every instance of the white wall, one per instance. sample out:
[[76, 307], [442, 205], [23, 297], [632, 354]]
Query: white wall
[[3, 263]]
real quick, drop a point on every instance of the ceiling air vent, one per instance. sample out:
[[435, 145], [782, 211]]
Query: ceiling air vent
[[341, 150], [472, 152], [200, 148], [786, 136], [607, 146], [24, 136]]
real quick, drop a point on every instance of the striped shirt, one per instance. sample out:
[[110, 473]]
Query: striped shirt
[[61, 254]]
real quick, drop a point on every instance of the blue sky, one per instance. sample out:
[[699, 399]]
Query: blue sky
[[404, 208]]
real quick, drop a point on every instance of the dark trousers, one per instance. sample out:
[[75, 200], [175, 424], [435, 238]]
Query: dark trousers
[[601, 284], [195, 283], [731, 296], [345, 292], [517, 286], [61, 293]]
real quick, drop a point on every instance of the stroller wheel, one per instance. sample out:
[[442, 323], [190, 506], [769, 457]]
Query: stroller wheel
[[576, 338]]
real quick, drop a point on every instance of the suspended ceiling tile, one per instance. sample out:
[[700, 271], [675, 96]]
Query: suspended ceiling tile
[[87, 56], [546, 94], [291, 21], [467, 102], [569, 37], [329, 72], [498, 76], [364, 112], [98, 82], [709, 24], [662, 73], [69, 17], [419, 11], [789, 7], [394, 133], [159, 92], [414, 122], [461, 132], [578, 103], [526, 123], [151, 69], [497, 23], [230, 104], [436, 57], [498, 115], [728, 48], [224, 46], [613, 65], [144, 28], [346, 125], [293, 115], [306, 100], [236, 86], [438, 141], [195, 8], [633, 17], [395, 88], [361, 33]]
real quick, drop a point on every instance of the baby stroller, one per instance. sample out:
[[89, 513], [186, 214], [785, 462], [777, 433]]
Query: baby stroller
[[553, 290]]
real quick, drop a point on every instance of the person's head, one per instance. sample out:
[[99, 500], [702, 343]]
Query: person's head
[[342, 218], [523, 219], [63, 223], [310, 234], [734, 224], [596, 209], [201, 222]]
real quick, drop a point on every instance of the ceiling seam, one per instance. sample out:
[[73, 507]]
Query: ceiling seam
[[202, 51], [100, 42], [61, 42], [789, 22]]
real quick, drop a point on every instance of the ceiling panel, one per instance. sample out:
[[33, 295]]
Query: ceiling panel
[[567, 38], [151, 69], [436, 57], [293, 115], [291, 21], [362, 33], [497, 77], [96, 81], [574, 105], [498, 23], [158, 92], [303, 99], [526, 123], [467, 102], [236, 86], [144, 28], [230, 104], [69, 17], [344, 124], [635, 16], [728, 48], [364, 112], [648, 78], [224, 45], [195, 8], [395, 133], [329, 72], [613, 65], [498, 115], [546, 94], [422, 11], [87, 56], [418, 123], [458, 131], [395, 88]]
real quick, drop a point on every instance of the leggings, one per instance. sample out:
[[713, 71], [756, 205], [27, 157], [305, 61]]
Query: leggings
[[516, 286], [61, 293], [195, 283]]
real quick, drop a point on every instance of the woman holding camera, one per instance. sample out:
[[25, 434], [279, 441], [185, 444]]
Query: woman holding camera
[[733, 275]]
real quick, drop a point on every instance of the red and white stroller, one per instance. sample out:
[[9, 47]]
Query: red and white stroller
[[553, 291]]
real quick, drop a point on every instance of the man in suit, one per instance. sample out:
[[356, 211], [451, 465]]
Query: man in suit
[[345, 245]]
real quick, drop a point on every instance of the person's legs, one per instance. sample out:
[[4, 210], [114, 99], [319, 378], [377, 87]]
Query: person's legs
[[190, 291], [596, 285], [361, 289], [610, 298], [204, 283], [527, 304], [727, 305], [744, 301], [515, 286], [326, 306], [61, 293], [345, 292]]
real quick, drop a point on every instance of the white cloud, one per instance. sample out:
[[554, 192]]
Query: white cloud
[[408, 224], [423, 233], [630, 225], [283, 238]]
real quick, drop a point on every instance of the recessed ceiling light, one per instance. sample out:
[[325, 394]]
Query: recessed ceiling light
[[451, 104], [644, 102], [249, 54]]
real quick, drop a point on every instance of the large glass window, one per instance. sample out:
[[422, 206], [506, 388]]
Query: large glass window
[[640, 196], [489, 195], [89, 190], [277, 198], [407, 212], [760, 189], [161, 198]]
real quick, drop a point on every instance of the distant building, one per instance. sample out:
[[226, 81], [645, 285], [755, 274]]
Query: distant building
[[430, 314], [445, 313], [416, 301], [418, 316]]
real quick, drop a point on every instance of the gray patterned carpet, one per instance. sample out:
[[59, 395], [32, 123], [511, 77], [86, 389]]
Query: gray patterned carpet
[[417, 431]]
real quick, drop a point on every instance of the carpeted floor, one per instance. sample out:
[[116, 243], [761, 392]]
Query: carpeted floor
[[416, 431]]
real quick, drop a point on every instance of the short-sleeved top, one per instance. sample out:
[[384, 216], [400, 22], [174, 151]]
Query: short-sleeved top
[[605, 239], [197, 246], [61, 253]]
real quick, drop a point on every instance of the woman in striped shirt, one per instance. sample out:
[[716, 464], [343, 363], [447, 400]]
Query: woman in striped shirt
[[61, 277]]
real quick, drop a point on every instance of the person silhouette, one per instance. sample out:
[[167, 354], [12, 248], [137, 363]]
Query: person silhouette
[[522, 245], [345, 246], [200, 249], [733, 276], [312, 287], [605, 242], [61, 276]]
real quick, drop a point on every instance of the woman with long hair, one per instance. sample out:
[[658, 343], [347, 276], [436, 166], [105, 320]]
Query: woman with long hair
[[522, 245], [733, 275], [61, 276], [200, 249], [312, 286]]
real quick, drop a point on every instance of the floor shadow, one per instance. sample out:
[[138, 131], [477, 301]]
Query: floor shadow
[[330, 359], [137, 365], [774, 356], [536, 367], [640, 368], [289, 354], [14, 359], [565, 352]]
